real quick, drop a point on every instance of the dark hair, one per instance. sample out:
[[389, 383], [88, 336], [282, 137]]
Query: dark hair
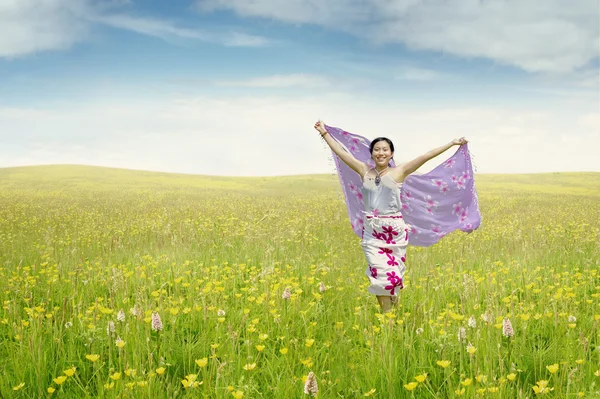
[[378, 139]]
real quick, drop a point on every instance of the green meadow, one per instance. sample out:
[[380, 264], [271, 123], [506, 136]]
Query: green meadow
[[90, 258]]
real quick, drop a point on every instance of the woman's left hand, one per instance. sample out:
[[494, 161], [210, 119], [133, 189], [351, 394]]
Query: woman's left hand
[[459, 141]]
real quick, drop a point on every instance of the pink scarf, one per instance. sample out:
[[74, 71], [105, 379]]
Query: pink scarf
[[433, 204]]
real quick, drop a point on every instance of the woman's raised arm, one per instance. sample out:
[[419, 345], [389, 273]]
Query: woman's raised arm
[[359, 167]]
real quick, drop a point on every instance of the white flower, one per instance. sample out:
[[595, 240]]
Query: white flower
[[68, 324], [462, 334], [507, 329], [220, 313], [287, 293], [121, 316], [472, 322], [310, 386], [322, 287], [156, 322], [419, 331], [572, 319], [110, 328]]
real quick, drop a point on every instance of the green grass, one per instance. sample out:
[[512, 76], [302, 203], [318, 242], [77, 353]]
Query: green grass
[[78, 244]]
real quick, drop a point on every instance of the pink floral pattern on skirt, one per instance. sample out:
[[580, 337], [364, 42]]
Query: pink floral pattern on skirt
[[384, 242]]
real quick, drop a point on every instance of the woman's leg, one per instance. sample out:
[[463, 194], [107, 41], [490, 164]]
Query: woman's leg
[[385, 301]]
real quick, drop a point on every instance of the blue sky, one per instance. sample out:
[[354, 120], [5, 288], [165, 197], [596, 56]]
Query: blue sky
[[233, 87]]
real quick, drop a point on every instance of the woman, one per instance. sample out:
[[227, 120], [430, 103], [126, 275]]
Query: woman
[[385, 234]]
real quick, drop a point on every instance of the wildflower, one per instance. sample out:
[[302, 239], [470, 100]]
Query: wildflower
[[137, 311], [309, 342], [311, 386], [467, 382], [121, 316], [237, 394], [51, 390], [160, 370], [110, 328], [260, 348], [421, 378], [553, 368], [283, 351], [287, 293], [70, 371], [411, 385], [541, 387], [472, 323], [370, 393], [462, 334], [68, 324], [443, 363], [92, 358], [120, 343], [60, 380], [202, 362], [507, 329], [21, 385], [156, 322], [511, 376], [419, 331], [263, 337], [250, 366], [471, 349], [572, 319], [322, 287], [115, 376], [190, 381], [220, 313]]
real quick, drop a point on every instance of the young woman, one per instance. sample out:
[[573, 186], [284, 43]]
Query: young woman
[[385, 234]]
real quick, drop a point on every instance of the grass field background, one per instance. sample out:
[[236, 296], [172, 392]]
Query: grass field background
[[87, 255]]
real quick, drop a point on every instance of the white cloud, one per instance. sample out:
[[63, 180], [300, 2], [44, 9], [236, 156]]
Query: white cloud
[[273, 135], [537, 36], [418, 74], [280, 81], [168, 30], [31, 26]]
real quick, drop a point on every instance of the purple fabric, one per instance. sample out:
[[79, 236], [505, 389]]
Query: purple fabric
[[433, 204]]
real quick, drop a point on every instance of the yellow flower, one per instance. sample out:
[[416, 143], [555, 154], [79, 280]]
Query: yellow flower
[[260, 348], [263, 337], [115, 376], [202, 362], [511, 376], [130, 372], [250, 366], [467, 382], [597, 373], [283, 351], [421, 378], [21, 385], [120, 343], [237, 394], [70, 371], [471, 349], [160, 370], [579, 361], [553, 368], [51, 390], [370, 393], [443, 363], [541, 387], [60, 380], [309, 342], [460, 392], [92, 358], [411, 385], [109, 386]]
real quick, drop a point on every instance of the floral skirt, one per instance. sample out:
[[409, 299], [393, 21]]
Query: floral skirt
[[384, 242]]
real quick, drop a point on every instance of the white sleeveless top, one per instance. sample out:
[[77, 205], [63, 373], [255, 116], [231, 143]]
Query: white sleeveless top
[[385, 197]]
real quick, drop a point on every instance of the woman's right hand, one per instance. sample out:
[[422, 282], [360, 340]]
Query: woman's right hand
[[320, 127]]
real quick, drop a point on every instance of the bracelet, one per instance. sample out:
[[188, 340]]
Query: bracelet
[[323, 134]]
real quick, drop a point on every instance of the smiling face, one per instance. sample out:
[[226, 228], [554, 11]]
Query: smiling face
[[381, 153]]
